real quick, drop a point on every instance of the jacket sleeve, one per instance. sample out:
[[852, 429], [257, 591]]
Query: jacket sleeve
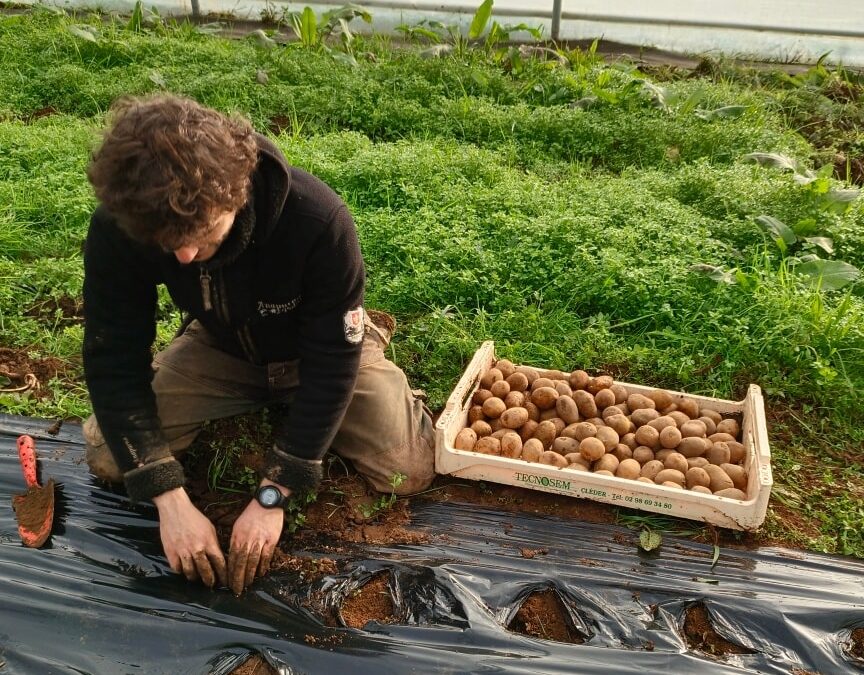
[[329, 347], [119, 329]]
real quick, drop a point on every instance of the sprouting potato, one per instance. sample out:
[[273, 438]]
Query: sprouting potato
[[730, 427], [675, 460], [718, 453], [500, 389], [481, 428], [480, 396], [531, 374], [649, 436], [491, 375], [475, 412], [620, 423], [688, 407], [670, 437], [628, 468], [731, 493], [488, 446], [493, 407], [506, 367], [693, 446], [465, 439], [532, 449], [527, 430], [567, 409], [542, 381], [620, 393], [643, 454], [651, 468], [579, 379], [545, 433], [737, 474], [518, 382], [553, 459], [514, 418], [604, 398], [693, 428], [591, 449], [696, 476], [511, 445], [607, 462], [608, 436], [719, 479], [564, 445], [515, 399], [638, 402], [544, 397], [672, 475], [661, 398], [585, 402], [595, 384], [642, 416]]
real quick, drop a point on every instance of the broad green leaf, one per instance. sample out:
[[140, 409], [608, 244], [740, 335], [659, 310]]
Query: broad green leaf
[[778, 229], [831, 275], [772, 159], [649, 540], [136, 19], [842, 196], [659, 95], [481, 18], [87, 33], [805, 227], [692, 101], [825, 243], [342, 57]]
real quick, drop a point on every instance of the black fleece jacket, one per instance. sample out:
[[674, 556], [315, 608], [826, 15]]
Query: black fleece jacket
[[278, 289]]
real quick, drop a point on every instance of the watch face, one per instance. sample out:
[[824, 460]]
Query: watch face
[[269, 496]]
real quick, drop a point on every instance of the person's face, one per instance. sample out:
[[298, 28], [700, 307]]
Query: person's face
[[199, 251]]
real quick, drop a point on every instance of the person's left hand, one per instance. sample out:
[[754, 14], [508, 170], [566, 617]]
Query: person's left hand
[[253, 540]]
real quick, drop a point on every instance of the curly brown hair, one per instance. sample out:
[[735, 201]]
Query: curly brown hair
[[167, 166]]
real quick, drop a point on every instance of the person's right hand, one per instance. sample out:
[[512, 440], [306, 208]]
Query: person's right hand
[[189, 539]]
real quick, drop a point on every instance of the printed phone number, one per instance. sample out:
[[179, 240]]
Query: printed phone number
[[641, 501]]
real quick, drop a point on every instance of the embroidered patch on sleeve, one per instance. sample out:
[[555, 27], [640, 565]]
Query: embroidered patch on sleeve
[[353, 323]]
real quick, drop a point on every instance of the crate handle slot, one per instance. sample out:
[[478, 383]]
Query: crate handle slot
[[470, 377]]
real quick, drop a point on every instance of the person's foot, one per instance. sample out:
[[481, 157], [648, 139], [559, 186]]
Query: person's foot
[[382, 326]]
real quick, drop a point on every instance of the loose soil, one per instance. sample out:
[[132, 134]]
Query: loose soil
[[254, 665], [701, 636], [543, 615], [35, 507], [68, 309], [16, 365], [370, 602], [856, 645]]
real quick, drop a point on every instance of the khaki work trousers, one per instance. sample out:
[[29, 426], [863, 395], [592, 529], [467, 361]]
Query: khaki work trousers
[[386, 429]]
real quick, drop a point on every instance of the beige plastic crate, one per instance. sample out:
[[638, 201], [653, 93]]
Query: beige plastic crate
[[722, 511]]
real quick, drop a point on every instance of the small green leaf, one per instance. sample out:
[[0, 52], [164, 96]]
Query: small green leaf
[[831, 275], [713, 272], [649, 540], [260, 38], [481, 18], [805, 226], [137, 18], [778, 229], [716, 556], [4, 381], [156, 78]]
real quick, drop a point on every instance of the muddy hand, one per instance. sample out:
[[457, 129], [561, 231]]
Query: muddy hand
[[189, 539], [253, 541]]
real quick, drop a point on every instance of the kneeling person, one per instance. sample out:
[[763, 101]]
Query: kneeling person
[[264, 260]]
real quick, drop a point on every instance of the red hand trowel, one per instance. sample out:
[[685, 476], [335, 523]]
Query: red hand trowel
[[35, 508]]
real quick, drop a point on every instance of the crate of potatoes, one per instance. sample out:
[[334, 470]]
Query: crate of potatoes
[[694, 457]]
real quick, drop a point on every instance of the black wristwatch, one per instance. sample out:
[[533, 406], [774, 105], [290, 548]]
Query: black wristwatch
[[269, 497]]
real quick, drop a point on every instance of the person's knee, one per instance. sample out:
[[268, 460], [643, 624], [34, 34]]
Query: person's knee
[[98, 456]]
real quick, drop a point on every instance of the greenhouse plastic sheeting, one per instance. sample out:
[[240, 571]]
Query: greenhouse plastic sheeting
[[99, 597]]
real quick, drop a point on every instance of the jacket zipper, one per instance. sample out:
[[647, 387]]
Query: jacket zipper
[[244, 335], [204, 279]]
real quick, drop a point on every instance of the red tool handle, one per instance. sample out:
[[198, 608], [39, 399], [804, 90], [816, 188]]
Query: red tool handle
[[27, 456]]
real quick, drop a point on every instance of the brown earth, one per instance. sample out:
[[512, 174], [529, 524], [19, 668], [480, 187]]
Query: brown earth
[[69, 309], [34, 509], [856, 645], [701, 635], [19, 368], [254, 665], [370, 602], [542, 615]]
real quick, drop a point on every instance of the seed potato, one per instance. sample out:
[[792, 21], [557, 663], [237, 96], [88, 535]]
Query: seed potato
[[480, 396], [488, 446], [498, 434], [546, 433], [721, 437], [531, 374], [491, 375], [591, 449], [495, 423], [731, 493], [629, 439], [514, 418], [620, 393], [532, 449], [643, 454], [719, 479], [662, 399], [553, 459], [564, 445], [542, 381], [662, 422], [544, 397], [620, 423], [567, 409], [511, 445], [648, 436], [595, 384], [737, 474], [651, 469], [688, 407], [639, 402], [465, 439], [574, 458], [628, 468], [696, 476], [481, 428], [515, 399], [506, 367], [607, 462], [713, 415], [718, 454], [710, 426], [693, 428], [603, 472], [677, 461], [579, 379], [642, 416], [622, 452], [737, 452], [701, 489], [493, 407], [533, 411], [700, 462], [679, 417], [585, 402], [662, 454], [608, 436], [730, 427], [563, 388], [670, 437], [692, 446], [475, 412], [645, 479], [548, 414], [667, 475], [518, 382], [604, 398]]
